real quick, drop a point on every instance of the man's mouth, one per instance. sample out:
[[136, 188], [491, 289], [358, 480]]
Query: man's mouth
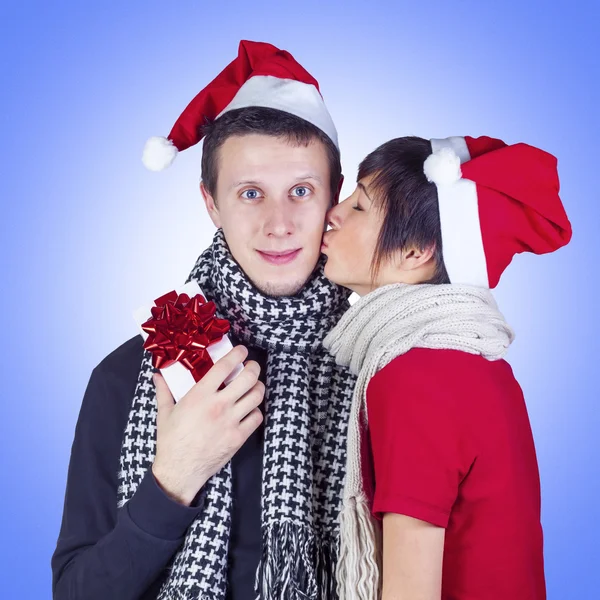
[[279, 257]]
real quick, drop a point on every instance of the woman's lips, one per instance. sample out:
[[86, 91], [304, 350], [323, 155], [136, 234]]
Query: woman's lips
[[279, 258]]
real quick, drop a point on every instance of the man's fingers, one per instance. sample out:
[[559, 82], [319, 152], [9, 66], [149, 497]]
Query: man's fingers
[[249, 401], [242, 383], [164, 398], [249, 425], [221, 370]]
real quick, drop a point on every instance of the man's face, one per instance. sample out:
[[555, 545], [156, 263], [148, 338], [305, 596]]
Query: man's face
[[271, 199]]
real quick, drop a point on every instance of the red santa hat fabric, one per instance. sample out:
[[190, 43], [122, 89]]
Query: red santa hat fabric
[[261, 75], [496, 200]]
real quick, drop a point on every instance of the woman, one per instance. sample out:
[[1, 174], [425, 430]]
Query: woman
[[441, 459]]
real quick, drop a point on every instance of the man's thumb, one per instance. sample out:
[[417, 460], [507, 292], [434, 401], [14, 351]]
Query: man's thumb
[[164, 398]]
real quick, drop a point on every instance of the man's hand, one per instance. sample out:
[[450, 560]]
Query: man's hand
[[198, 436]]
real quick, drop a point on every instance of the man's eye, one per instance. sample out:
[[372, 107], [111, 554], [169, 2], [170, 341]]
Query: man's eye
[[250, 194], [300, 191]]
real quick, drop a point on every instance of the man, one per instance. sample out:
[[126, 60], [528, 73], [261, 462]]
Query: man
[[205, 499]]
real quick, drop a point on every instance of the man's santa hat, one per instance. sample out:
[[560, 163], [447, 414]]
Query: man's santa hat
[[495, 201], [261, 75]]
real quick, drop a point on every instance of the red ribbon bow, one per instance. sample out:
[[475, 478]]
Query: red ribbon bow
[[181, 329]]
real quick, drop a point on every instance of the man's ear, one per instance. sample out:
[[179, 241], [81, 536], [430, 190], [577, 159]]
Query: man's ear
[[336, 199], [211, 206]]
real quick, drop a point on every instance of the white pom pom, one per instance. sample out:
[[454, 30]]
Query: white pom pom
[[159, 153], [443, 167]]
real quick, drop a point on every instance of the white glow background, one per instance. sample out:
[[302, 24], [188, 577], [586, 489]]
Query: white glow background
[[88, 234]]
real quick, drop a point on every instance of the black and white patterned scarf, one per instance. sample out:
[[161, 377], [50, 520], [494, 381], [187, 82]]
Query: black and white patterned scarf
[[307, 404]]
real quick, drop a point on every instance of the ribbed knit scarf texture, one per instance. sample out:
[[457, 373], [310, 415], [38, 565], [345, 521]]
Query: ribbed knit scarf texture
[[378, 328], [307, 406]]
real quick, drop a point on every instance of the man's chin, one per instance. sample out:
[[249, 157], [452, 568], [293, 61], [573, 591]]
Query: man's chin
[[279, 288]]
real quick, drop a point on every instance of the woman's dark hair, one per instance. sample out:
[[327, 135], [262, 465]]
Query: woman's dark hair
[[409, 202], [264, 121]]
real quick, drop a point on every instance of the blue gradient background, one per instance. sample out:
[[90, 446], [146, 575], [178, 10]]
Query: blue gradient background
[[82, 87]]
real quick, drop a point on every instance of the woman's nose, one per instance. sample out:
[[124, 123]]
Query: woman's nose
[[334, 217]]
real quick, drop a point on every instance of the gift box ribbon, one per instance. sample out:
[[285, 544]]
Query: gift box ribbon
[[181, 329]]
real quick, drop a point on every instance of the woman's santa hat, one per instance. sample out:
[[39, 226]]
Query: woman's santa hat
[[495, 201], [261, 75]]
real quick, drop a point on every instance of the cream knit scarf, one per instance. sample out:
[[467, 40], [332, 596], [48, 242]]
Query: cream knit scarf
[[378, 328]]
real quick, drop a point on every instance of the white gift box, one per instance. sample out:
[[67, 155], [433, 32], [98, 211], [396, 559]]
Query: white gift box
[[179, 378]]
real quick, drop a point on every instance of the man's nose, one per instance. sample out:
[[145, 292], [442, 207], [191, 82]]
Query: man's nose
[[279, 221]]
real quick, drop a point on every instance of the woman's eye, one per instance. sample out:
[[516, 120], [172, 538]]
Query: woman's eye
[[300, 192], [358, 208], [250, 194]]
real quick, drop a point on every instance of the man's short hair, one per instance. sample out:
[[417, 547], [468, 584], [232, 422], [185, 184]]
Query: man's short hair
[[263, 121]]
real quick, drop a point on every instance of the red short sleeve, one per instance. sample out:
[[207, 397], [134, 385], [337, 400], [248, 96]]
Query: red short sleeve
[[416, 435]]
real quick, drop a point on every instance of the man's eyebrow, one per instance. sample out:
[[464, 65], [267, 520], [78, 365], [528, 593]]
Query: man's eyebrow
[[309, 176], [258, 183], [364, 189], [245, 182]]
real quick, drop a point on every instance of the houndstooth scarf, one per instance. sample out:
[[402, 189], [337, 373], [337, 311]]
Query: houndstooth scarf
[[381, 326], [307, 405]]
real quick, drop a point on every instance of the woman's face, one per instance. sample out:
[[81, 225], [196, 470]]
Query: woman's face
[[351, 242]]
